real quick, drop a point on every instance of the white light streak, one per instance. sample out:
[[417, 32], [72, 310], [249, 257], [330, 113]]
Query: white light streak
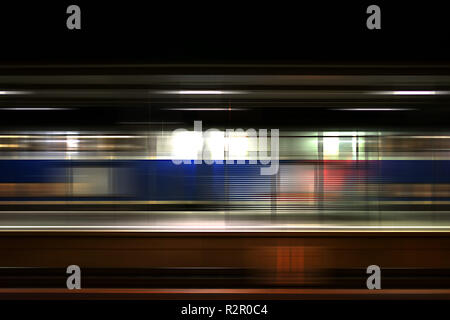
[[202, 92], [205, 109], [375, 109], [410, 92], [415, 92], [6, 92]]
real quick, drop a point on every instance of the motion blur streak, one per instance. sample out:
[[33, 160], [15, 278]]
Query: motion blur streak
[[86, 177]]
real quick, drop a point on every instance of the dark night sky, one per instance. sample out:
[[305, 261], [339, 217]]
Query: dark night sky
[[224, 32]]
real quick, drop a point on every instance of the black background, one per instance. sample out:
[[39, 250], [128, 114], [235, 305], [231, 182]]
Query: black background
[[331, 309], [224, 32]]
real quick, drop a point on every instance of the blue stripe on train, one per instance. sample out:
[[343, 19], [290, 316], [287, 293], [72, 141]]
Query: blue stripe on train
[[163, 180], [150, 180]]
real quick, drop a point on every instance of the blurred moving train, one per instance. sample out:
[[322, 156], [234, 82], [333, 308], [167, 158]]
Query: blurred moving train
[[360, 147], [325, 179]]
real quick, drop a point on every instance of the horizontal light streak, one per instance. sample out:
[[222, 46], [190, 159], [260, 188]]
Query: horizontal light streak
[[415, 92], [234, 228], [205, 109], [411, 92], [201, 92], [375, 109], [7, 92]]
